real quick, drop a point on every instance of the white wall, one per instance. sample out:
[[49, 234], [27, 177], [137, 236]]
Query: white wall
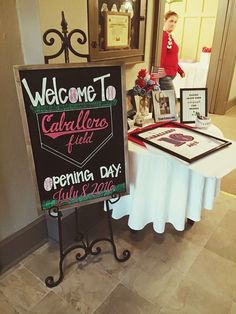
[[232, 94], [31, 38], [76, 16], [17, 201]]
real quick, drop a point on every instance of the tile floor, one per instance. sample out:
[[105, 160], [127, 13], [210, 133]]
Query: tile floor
[[187, 272], [190, 272], [227, 124]]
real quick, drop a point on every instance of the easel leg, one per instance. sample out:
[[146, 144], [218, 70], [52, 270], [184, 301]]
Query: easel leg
[[87, 247], [50, 280], [126, 253]]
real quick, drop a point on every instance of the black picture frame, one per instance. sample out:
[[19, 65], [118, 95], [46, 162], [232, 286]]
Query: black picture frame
[[192, 101], [131, 107], [171, 145]]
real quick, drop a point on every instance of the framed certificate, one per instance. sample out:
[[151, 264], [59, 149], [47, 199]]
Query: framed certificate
[[117, 30], [192, 101], [164, 105], [180, 140]]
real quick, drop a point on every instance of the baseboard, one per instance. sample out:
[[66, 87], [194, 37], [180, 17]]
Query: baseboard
[[17, 246], [88, 216], [22, 243], [231, 103]]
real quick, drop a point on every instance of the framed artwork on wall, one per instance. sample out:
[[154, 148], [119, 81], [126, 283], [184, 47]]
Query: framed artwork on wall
[[117, 30]]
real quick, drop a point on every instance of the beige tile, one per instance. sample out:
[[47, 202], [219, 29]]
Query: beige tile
[[107, 262], [191, 297], [9, 271], [123, 300], [52, 303], [136, 242], [22, 289], [86, 288], [36, 252], [233, 308], [222, 204], [155, 283], [187, 309], [228, 183], [199, 233], [215, 274], [45, 262], [173, 250], [5, 306], [223, 240]]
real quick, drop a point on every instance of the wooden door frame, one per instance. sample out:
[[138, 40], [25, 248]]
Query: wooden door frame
[[221, 67], [223, 56]]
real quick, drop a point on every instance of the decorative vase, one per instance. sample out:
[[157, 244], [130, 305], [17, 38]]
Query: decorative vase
[[144, 106]]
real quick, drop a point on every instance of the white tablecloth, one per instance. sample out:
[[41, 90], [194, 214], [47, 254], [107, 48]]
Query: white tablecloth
[[195, 76], [165, 189]]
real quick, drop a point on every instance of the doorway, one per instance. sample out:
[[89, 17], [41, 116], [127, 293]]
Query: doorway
[[214, 29]]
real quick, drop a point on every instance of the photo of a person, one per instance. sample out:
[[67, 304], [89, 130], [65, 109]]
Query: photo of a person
[[164, 105], [129, 105]]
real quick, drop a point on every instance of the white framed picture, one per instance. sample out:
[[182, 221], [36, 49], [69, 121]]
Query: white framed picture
[[164, 105]]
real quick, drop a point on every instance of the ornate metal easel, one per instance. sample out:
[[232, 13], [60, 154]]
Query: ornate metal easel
[[84, 244], [65, 38], [56, 212]]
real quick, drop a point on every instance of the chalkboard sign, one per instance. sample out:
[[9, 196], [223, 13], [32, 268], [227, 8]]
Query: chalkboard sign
[[74, 119]]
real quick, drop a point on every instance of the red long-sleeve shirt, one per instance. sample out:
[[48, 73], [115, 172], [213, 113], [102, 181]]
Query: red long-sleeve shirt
[[169, 55]]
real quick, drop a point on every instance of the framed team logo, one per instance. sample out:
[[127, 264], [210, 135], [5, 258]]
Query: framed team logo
[[181, 141]]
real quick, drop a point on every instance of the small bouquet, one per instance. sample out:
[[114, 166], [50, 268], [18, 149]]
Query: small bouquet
[[145, 84], [206, 49]]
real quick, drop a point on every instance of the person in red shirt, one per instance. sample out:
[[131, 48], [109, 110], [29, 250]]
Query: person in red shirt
[[169, 53]]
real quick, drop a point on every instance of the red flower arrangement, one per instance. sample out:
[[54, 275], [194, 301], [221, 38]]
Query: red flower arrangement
[[145, 84], [205, 49]]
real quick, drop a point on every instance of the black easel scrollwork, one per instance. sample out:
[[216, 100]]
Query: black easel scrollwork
[[65, 38], [85, 245]]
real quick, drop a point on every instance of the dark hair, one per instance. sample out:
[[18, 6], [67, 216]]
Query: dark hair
[[169, 14]]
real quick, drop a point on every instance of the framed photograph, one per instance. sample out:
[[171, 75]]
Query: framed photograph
[[192, 101], [164, 105], [130, 104], [117, 30], [181, 141]]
